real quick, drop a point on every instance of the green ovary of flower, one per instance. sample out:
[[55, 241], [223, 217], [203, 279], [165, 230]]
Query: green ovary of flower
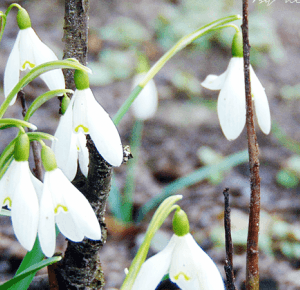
[[27, 64], [63, 208], [7, 201], [85, 129], [186, 277]]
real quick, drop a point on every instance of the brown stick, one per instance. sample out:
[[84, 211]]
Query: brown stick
[[252, 276], [228, 244], [80, 267]]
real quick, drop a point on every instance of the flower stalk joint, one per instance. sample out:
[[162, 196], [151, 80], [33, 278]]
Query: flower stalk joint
[[22, 145], [237, 45], [48, 158], [181, 226], [81, 80], [23, 19], [64, 104]]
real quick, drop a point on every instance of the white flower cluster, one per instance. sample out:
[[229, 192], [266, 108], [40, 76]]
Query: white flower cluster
[[35, 206]]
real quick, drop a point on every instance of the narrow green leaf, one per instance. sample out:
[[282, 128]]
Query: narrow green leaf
[[195, 177], [32, 269], [10, 122], [39, 101]]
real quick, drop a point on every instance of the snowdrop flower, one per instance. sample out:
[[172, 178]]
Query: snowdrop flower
[[28, 52], [145, 105], [186, 263], [63, 204], [231, 101], [18, 192], [84, 115]]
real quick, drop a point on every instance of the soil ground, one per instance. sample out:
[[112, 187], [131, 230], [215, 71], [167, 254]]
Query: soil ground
[[172, 138]]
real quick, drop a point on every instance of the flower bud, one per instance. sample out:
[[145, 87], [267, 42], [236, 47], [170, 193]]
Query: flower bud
[[64, 104], [237, 45], [48, 158], [81, 80], [21, 152], [23, 19], [181, 226]]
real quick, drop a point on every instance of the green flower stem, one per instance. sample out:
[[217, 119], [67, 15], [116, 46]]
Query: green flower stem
[[12, 6], [3, 23], [135, 144], [39, 101], [38, 70], [158, 218], [124, 108], [37, 136], [194, 177], [9, 122], [4, 17], [182, 43]]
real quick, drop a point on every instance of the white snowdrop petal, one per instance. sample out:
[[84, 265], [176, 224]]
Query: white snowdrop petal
[[83, 154], [208, 275], [38, 186], [46, 229], [54, 79], [213, 82], [103, 131], [25, 207], [83, 214], [154, 269], [80, 219], [68, 227], [231, 101], [261, 103], [12, 70], [80, 112], [27, 59], [64, 147], [145, 105], [182, 270], [58, 185]]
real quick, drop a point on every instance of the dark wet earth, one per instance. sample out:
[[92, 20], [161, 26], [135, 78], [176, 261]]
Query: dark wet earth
[[185, 121]]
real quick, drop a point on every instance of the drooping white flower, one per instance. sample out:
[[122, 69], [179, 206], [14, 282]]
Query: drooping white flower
[[62, 204], [18, 192], [232, 103], [85, 116], [232, 100], [145, 105], [29, 51], [186, 263]]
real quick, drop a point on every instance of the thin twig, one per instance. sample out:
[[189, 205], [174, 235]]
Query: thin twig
[[228, 241], [252, 276], [35, 146]]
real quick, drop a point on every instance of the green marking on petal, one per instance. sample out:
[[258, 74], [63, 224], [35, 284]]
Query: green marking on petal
[[186, 277], [7, 201], [27, 64], [85, 129], [63, 207]]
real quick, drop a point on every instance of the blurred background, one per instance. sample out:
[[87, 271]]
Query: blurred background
[[184, 135]]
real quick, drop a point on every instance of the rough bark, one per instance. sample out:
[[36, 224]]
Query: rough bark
[[252, 276], [80, 268]]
